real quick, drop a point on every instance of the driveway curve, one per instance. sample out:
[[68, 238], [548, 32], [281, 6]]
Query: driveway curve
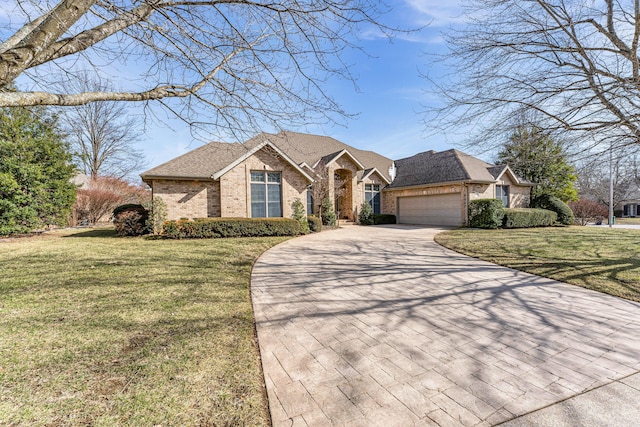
[[381, 326]]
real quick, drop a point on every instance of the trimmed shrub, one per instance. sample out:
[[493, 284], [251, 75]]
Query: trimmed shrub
[[527, 218], [379, 219], [201, 228], [485, 213], [127, 207], [565, 215], [315, 224], [365, 216], [299, 214], [130, 220], [327, 212]]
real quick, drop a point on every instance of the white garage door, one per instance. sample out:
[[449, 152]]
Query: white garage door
[[437, 209]]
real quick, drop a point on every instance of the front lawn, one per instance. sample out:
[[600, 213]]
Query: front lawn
[[606, 260], [106, 331], [627, 221]]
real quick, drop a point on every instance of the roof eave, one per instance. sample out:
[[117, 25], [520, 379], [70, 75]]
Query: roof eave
[[216, 176], [437, 184], [384, 178], [146, 178], [353, 159]]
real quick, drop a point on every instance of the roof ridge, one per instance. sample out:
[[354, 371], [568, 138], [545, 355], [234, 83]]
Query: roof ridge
[[417, 154], [456, 155]]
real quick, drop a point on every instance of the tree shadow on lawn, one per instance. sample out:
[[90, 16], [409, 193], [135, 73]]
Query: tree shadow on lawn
[[616, 276], [104, 232]]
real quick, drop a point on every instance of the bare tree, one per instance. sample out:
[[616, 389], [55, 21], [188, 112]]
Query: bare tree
[[575, 62], [103, 134], [594, 178], [240, 63]]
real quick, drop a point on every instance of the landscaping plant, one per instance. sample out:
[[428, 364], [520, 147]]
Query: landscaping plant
[[565, 215], [299, 214], [586, 211], [327, 213], [365, 216], [486, 213]]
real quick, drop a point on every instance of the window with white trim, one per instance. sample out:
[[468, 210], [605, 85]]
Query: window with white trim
[[266, 194], [372, 196], [502, 193]]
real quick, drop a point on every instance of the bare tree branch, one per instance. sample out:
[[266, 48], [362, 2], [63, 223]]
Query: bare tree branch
[[575, 62], [240, 63]]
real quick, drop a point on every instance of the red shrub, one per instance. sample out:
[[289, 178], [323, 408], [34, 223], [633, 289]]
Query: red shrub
[[586, 211], [96, 201]]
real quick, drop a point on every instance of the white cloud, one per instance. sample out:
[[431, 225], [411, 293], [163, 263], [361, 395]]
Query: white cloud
[[436, 13]]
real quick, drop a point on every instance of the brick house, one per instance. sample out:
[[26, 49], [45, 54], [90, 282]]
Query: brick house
[[263, 176]]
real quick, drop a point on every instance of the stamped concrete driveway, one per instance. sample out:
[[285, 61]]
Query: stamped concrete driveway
[[380, 326]]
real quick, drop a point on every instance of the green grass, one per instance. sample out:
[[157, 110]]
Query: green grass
[[605, 260], [632, 221], [106, 331]]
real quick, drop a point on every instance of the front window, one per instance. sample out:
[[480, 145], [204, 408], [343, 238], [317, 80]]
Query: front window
[[502, 193], [266, 194], [372, 196], [309, 201]]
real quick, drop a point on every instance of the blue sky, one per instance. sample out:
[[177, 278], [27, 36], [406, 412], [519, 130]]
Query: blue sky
[[388, 103]]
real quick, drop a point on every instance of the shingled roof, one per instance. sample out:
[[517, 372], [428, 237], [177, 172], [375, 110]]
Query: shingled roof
[[432, 167], [206, 161], [200, 163], [311, 149]]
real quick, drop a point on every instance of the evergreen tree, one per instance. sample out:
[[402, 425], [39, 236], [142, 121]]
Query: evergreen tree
[[534, 155], [35, 171]]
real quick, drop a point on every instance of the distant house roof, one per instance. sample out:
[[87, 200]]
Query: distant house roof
[[431, 167], [81, 180], [303, 149]]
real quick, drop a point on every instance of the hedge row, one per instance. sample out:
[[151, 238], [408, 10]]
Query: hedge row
[[489, 213], [315, 223], [201, 228], [379, 219], [565, 214], [485, 213], [527, 218]]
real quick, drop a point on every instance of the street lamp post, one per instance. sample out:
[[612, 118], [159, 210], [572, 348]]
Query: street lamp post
[[610, 187]]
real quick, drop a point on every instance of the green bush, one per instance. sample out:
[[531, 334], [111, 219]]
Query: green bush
[[527, 218], [327, 212], [366, 214], [315, 224], [201, 228], [130, 220], [379, 219], [299, 214], [486, 213], [565, 214]]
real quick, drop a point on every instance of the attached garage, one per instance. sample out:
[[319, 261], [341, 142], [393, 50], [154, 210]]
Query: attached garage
[[436, 209]]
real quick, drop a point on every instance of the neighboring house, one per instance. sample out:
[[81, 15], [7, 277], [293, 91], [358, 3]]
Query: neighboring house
[[81, 180], [631, 206], [436, 187], [263, 176]]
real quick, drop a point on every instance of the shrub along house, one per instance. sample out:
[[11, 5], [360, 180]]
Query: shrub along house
[[263, 176]]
